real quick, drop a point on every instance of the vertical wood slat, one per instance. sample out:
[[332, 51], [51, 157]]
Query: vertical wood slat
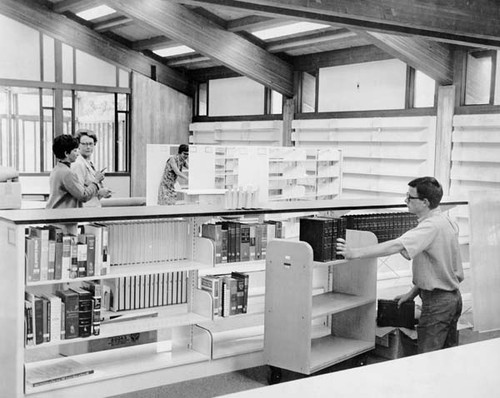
[[442, 165]]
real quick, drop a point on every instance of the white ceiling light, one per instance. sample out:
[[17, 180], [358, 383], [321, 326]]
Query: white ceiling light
[[173, 51], [287, 30], [95, 12]]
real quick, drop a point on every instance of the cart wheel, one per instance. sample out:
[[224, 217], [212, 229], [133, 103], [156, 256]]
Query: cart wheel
[[274, 375]]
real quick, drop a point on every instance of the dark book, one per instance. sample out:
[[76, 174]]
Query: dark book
[[245, 242], [91, 254], [389, 314], [318, 232], [242, 291], [46, 319], [32, 255], [28, 319], [84, 311], [38, 311], [71, 309], [43, 234]]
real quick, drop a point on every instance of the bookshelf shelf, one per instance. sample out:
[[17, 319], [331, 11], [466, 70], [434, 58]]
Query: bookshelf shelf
[[330, 322]]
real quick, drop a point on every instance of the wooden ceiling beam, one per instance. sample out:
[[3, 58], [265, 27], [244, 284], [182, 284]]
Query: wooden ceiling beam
[[82, 38], [74, 6], [432, 58], [186, 60], [111, 23], [153, 43], [311, 39], [460, 21], [312, 62], [252, 23], [180, 24]]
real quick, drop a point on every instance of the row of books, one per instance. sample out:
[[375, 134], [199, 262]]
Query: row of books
[[67, 314], [241, 241], [148, 241], [51, 254], [145, 291], [321, 233], [229, 292], [386, 226]]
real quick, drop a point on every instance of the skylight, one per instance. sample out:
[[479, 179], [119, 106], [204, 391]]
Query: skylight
[[287, 30], [173, 51], [95, 12]]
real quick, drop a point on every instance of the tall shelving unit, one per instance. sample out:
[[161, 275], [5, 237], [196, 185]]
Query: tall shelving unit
[[189, 343], [306, 328]]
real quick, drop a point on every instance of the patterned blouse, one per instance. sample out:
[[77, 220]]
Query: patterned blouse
[[166, 190]]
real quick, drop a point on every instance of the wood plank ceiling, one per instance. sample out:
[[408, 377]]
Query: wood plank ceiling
[[422, 33]]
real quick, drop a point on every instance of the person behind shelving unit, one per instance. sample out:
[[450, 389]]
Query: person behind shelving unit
[[173, 169], [84, 168], [66, 190], [436, 264]]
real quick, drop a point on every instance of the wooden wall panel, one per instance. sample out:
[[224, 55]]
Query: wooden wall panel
[[160, 115]]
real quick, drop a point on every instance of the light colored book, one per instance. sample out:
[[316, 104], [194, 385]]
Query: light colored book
[[54, 371]]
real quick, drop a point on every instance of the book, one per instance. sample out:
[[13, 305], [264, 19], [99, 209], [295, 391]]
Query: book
[[32, 258], [43, 234], [66, 257], [70, 300], [28, 319], [242, 290], [213, 232], [81, 255], [55, 316], [55, 371], [318, 232], [245, 242], [212, 284], [84, 311], [73, 269]]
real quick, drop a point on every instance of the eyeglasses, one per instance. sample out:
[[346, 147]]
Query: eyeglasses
[[87, 143], [409, 197]]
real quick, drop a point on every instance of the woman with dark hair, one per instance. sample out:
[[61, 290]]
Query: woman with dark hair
[[173, 169], [66, 191]]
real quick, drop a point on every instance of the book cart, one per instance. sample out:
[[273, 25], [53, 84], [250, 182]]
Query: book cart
[[317, 314], [180, 342]]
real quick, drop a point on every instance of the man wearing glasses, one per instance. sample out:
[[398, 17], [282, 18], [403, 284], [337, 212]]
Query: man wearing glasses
[[436, 264], [84, 168]]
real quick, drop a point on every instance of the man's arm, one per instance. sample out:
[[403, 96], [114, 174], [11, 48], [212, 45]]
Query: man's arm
[[378, 250]]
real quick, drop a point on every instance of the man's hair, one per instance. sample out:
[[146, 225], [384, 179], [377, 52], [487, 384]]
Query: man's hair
[[63, 144], [428, 188], [85, 132], [183, 148]]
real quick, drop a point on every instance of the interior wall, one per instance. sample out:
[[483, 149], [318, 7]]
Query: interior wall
[[160, 115]]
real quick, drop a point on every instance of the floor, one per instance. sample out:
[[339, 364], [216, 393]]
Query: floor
[[258, 377]]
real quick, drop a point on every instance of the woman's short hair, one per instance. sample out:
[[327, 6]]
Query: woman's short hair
[[183, 148], [63, 144], [85, 132]]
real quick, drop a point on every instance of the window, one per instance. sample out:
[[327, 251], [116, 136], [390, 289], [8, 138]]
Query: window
[[308, 94], [479, 77], [424, 90], [106, 114]]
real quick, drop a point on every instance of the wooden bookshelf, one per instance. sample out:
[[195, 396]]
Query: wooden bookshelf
[[196, 351]]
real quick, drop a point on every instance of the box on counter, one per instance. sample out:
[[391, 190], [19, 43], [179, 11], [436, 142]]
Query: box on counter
[[10, 195]]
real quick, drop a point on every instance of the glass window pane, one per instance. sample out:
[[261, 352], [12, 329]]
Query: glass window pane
[[47, 98], [202, 99], [308, 92], [478, 78], [20, 128], [425, 89], [123, 102], [20, 51], [276, 103], [67, 64], [365, 86], [48, 59], [67, 122], [96, 111], [235, 96], [67, 99], [48, 134], [122, 141], [92, 70], [124, 78]]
